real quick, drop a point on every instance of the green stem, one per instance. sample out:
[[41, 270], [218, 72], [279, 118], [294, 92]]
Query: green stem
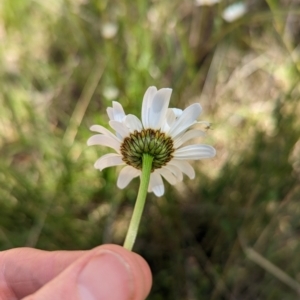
[[140, 203]]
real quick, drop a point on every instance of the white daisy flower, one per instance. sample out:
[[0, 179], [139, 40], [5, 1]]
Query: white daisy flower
[[234, 11], [161, 133]]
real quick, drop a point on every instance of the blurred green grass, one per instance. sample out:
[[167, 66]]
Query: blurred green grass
[[233, 232]]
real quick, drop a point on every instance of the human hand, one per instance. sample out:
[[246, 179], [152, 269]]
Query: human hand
[[106, 272]]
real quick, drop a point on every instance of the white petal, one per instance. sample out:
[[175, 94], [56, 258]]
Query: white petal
[[126, 175], [167, 175], [108, 160], [195, 152], [170, 119], [120, 128], [118, 111], [188, 118], [133, 123], [181, 139], [101, 129], [175, 170], [177, 112], [147, 100], [156, 184], [158, 109], [184, 167], [100, 139], [110, 113]]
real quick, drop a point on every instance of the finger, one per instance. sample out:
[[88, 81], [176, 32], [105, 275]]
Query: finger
[[106, 272], [24, 270]]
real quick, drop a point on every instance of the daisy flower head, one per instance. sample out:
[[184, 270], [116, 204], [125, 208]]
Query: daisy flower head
[[161, 134]]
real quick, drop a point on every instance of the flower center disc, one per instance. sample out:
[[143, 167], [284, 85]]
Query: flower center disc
[[152, 142]]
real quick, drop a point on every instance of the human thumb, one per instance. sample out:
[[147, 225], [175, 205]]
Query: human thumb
[[106, 272]]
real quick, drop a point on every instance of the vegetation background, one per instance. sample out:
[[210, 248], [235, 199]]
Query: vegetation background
[[234, 231]]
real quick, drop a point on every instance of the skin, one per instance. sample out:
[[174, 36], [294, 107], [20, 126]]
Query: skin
[[106, 272]]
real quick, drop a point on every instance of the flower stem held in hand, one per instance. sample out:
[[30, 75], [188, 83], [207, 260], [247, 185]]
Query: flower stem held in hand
[[140, 202], [152, 148]]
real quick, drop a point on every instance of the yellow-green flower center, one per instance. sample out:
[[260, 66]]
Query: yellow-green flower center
[[152, 142]]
